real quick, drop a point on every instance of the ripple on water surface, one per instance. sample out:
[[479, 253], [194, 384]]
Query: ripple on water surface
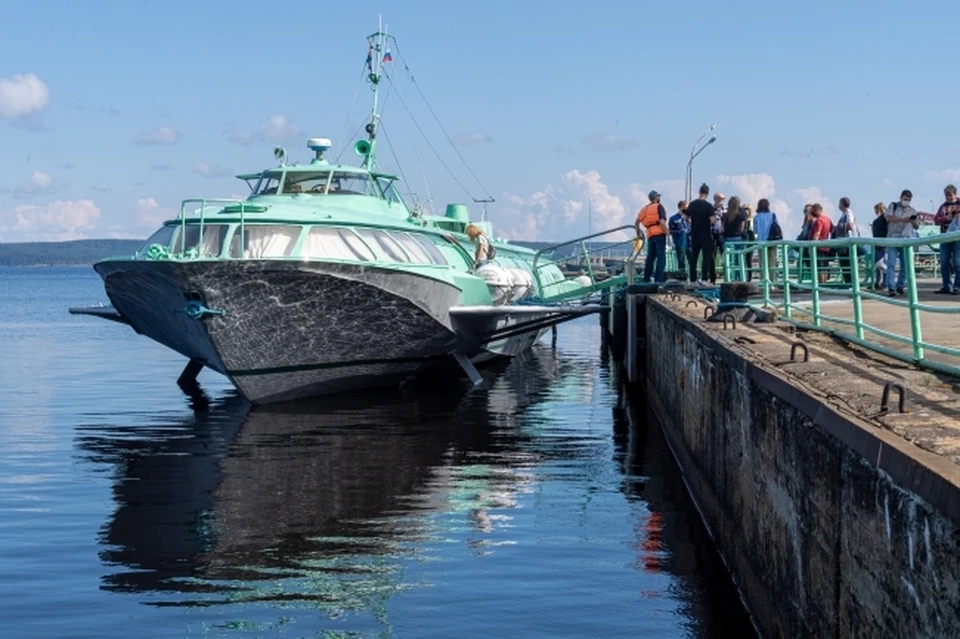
[[539, 505]]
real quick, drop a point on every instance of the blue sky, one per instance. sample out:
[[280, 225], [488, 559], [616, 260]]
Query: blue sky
[[112, 112]]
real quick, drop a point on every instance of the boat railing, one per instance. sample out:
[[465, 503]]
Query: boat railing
[[220, 203], [798, 278], [539, 263]]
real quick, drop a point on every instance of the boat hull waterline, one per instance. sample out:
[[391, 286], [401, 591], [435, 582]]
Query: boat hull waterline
[[293, 329]]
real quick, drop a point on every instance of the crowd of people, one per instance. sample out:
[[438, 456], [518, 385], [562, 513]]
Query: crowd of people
[[699, 230]]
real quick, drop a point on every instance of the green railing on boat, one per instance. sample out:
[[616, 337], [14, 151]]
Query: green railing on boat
[[845, 268], [626, 277]]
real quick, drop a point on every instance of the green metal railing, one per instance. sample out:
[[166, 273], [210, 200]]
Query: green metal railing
[[540, 262], [844, 267]]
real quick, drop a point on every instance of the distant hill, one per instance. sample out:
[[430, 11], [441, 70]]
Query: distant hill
[[78, 252]]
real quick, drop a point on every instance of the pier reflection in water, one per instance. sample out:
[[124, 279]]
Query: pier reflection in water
[[540, 505]]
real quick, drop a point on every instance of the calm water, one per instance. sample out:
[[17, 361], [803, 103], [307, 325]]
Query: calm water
[[536, 506]]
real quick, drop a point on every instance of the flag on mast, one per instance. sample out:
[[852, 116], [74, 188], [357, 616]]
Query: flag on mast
[[370, 59], [387, 57]]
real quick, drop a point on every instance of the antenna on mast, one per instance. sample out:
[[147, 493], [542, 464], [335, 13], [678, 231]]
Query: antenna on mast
[[377, 54], [483, 209]]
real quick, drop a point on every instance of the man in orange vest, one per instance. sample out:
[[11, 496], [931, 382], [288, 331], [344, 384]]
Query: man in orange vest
[[653, 219]]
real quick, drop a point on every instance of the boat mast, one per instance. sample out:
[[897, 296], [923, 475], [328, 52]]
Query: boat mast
[[377, 55]]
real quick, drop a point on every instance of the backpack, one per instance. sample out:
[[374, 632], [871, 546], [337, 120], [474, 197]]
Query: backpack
[[676, 225], [776, 233], [491, 251], [842, 228]]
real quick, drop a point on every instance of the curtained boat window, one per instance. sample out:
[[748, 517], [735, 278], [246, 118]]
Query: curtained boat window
[[189, 238], [265, 240], [387, 245], [335, 243], [435, 255], [412, 247]]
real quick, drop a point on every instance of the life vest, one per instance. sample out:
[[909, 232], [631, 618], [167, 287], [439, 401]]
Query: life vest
[[649, 217]]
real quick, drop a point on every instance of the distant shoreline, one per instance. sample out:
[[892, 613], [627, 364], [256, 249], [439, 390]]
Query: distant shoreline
[[69, 253]]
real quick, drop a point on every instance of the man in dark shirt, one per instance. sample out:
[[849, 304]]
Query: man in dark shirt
[[702, 217]]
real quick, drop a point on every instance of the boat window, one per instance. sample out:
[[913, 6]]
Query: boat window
[[264, 240], [161, 236], [313, 183], [334, 243], [268, 183], [387, 244], [189, 238], [435, 255], [412, 247], [352, 184], [388, 187]]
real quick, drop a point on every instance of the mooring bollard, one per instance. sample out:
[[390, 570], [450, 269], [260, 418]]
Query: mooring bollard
[[793, 351], [885, 397]]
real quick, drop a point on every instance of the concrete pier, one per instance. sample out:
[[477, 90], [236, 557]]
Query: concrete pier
[[837, 515]]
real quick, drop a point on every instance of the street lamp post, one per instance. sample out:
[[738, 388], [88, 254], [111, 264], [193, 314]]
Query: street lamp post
[[590, 217], [688, 182]]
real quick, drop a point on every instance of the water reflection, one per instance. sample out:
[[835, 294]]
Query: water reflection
[[314, 500]]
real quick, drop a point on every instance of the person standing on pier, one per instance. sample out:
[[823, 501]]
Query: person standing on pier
[[679, 231], [702, 218], [846, 226], [879, 229], [764, 231], [948, 218], [653, 218], [899, 216], [820, 231]]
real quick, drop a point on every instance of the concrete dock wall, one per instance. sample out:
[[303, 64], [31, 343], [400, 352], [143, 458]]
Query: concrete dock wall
[[831, 526]]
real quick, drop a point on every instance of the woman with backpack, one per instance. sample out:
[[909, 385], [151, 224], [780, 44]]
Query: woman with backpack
[[879, 229], [767, 229]]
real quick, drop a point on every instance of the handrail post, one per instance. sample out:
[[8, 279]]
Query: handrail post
[[726, 262], [765, 274], [586, 256], [913, 298], [785, 254], [183, 228], [815, 290], [203, 206], [742, 261], [855, 287]]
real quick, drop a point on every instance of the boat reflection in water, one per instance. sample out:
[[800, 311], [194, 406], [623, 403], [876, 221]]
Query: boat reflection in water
[[320, 501]]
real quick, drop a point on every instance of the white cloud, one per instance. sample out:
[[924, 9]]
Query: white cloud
[[946, 175], [751, 187], [58, 221], [549, 213], [208, 170], [38, 183], [477, 137], [278, 129], [151, 215], [163, 135], [22, 95], [888, 182], [238, 136], [602, 142]]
